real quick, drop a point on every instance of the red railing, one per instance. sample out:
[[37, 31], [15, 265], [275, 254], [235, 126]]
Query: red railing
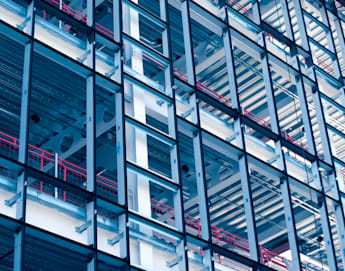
[[71, 172], [325, 66], [79, 16], [240, 7], [183, 76]]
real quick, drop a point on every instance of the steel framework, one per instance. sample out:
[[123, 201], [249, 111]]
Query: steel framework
[[172, 135]]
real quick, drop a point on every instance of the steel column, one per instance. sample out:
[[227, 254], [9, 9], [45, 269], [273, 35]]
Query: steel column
[[19, 235], [243, 162], [91, 209]]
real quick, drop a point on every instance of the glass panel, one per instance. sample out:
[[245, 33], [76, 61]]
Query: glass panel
[[109, 235], [306, 205], [142, 64], [106, 169], [217, 122], [269, 214], [322, 58], [210, 62], [151, 197], [106, 262], [61, 36], [331, 205], [104, 18], [244, 7], [7, 245], [212, 6], [148, 107], [250, 83], [58, 121], [313, 119], [244, 25], [260, 145], [152, 6], [225, 202], [225, 263], [153, 249], [298, 167], [107, 58], [272, 14], [149, 151], [185, 103], [143, 27], [66, 210], [16, 13], [191, 199], [178, 55], [77, 9], [288, 106], [198, 254], [340, 172]]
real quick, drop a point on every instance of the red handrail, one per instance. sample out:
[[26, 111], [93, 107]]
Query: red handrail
[[221, 235]]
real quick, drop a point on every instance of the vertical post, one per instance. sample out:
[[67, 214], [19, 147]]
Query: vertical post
[[163, 4], [248, 207], [188, 44], [138, 138], [256, 11], [325, 144], [202, 195], [117, 26], [172, 127], [60, 7], [287, 19], [121, 173], [341, 40], [290, 224], [41, 169], [91, 210], [338, 206], [65, 179], [301, 26], [120, 136], [243, 162], [305, 114], [197, 140], [201, 186], [56, 173], [18, 259], [285, 190]]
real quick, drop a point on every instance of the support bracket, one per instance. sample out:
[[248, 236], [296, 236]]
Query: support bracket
[[174, 262], [83, 227], [115, 240], [13, 200]]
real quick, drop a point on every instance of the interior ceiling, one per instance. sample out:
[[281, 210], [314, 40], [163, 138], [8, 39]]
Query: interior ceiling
[[226, 206]]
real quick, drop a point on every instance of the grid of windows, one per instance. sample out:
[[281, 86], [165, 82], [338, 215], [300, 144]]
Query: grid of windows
[[172, 135]]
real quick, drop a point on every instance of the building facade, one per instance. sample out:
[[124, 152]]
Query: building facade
[[172, 135]]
